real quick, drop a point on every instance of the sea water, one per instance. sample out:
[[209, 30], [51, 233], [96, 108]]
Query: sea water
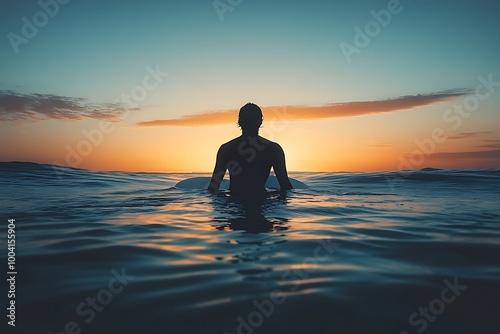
[[117, 252]]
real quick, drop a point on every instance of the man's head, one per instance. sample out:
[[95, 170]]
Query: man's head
[[250, 117]]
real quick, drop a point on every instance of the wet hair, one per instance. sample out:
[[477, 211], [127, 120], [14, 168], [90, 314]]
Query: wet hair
[[250, 117]]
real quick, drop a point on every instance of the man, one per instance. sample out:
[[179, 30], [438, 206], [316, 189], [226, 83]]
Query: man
[[249, 158]]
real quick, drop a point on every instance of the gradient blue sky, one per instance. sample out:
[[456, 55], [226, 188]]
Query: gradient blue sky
[[274, 53]]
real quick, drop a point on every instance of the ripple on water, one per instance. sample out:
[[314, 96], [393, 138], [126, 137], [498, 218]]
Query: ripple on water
[[347, 255]]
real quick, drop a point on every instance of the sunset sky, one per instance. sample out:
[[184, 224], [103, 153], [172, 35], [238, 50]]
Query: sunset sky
[[344, 85]]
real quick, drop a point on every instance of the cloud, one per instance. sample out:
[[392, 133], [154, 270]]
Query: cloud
[[463, 135], [345, 109], [492, 144], [34, 107], [488, 154]]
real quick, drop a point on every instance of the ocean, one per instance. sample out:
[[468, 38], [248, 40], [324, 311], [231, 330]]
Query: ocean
[[121, 252]]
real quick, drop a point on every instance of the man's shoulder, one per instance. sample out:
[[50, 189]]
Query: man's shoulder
[[230, 144], [233, 143], [269, 143]]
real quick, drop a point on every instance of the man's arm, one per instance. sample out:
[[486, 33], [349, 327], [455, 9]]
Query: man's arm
[[279, 167], [219, 172]]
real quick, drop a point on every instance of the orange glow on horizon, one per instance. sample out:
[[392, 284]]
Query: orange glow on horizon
[[367, 143]]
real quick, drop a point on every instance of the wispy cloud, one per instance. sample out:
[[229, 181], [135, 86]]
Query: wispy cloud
[[487, 154], [17, 107], [491, 143], [332, 110], [464, 135]]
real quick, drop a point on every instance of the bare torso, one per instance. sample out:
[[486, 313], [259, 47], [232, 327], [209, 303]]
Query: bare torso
[[249, 159]]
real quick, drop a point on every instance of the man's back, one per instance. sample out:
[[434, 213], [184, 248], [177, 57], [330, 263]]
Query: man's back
[[253, 158], [249, 158]]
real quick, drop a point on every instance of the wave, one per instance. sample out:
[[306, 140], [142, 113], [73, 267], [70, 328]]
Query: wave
[[33, 171], [346, 241]]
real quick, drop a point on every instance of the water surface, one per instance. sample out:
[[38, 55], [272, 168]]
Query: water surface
[[116, 252]]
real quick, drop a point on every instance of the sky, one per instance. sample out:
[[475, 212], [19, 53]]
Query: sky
[[343, 85]]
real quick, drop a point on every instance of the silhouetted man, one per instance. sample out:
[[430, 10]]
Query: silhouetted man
[[249, 158]]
